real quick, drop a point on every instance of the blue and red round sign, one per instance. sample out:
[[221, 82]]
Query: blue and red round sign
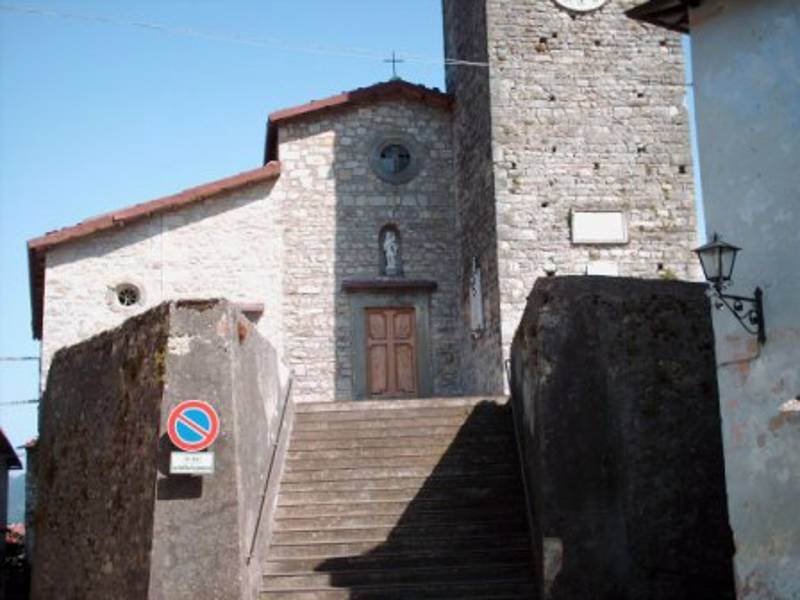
[[193, 425]]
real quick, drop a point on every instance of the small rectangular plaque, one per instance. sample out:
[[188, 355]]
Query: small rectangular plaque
[[602, 267], [191, 463], [599, 227]]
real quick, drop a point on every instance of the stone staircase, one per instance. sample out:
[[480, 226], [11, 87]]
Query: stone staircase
[[400, 499]]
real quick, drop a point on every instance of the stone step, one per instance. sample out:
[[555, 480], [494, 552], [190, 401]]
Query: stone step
[[464, 590], [377, 405], [484, 423], [421, 558], [360, 577], [432, 461], [397, 483], [393, 534], [387, 471], [309, 443], [391, 508], [454, 545], [504, 518], [345, 434], [436, 494], [401, 413], [404, 451]]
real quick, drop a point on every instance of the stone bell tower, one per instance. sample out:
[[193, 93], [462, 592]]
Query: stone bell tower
[[572, 154]]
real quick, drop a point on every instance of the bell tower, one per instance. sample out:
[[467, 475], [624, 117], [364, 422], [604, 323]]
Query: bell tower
[[572, 154]]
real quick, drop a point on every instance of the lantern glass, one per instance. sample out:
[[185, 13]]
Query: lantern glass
[[717, 259]]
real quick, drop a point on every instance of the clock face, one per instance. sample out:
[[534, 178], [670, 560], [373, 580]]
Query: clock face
[[581, 5]]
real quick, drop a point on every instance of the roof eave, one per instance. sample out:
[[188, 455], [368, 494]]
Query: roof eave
[[38, 247]]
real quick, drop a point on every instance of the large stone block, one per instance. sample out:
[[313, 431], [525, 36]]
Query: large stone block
[[111, 521], [616, 405]]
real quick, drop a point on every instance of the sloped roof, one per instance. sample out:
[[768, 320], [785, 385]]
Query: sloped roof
[[7, 452], [387, 90], [670, 14], [38, 247]]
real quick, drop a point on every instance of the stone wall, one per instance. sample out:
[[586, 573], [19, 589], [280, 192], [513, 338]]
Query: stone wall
[[465, 39], [586, 112], [111, 521], [616, 406], [97, 451], [226, 247], [334, 209]]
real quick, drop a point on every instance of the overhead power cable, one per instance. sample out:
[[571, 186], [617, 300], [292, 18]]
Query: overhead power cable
[[17, 358], [17, 402], [235, 38]]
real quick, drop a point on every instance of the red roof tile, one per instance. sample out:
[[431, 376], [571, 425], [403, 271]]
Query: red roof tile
[[38, 247]]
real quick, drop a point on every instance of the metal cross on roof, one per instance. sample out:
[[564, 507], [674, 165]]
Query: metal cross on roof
[[394, 60]]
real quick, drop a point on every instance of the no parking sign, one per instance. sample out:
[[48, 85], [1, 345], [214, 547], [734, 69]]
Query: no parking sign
[[193, 425]]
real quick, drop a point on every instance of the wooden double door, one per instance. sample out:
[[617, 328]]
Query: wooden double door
[[391, 352]]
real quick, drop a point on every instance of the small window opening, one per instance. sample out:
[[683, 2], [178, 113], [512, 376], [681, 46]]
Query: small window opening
[[128, 294], [395, 159]]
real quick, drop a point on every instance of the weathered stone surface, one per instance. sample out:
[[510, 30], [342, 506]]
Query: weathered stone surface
[[98, 441], [333, 212], [615, 399], [571, 111], [111, 521]]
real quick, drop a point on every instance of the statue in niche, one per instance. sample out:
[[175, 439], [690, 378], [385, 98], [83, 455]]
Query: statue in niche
[[390, 247]]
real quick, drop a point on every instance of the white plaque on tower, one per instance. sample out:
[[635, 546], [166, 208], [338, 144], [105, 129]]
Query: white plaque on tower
[[599, 227]]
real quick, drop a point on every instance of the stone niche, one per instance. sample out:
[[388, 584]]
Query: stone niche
[[617, 412]]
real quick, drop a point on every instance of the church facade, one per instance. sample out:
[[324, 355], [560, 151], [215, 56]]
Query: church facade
[[388, 243]]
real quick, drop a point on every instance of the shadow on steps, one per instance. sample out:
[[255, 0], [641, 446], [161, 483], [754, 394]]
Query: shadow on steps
[[463, 533]]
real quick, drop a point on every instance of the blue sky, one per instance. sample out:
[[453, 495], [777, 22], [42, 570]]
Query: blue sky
[[99, 113], [96, 115]]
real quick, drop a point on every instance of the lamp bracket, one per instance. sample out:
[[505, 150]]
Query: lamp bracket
[[748, 311]]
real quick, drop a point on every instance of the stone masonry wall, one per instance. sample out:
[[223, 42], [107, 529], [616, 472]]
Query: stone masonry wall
[[226, 247], [465, 38], [587, 113], [331, 217]]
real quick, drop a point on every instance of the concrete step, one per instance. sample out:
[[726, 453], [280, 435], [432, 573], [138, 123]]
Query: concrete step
[[464, 495], [403, 451], [356, 509], [397, 483], [387, 471], [503, 518], [396, 413], [362, 577], [392, 533], [377, 405], [484, 423], [470, 589], [450, 431], [398, 560], [413, 439], [432, 461], [452, 544]]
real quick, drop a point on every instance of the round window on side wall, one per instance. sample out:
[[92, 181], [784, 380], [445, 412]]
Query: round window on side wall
[[395, 158], [125, 296]]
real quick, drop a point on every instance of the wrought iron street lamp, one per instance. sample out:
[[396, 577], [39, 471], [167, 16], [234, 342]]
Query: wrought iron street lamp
[[717, 259]]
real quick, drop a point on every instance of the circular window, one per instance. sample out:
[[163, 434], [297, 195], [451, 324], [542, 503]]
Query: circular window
[[128, 294], [395, 158]]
